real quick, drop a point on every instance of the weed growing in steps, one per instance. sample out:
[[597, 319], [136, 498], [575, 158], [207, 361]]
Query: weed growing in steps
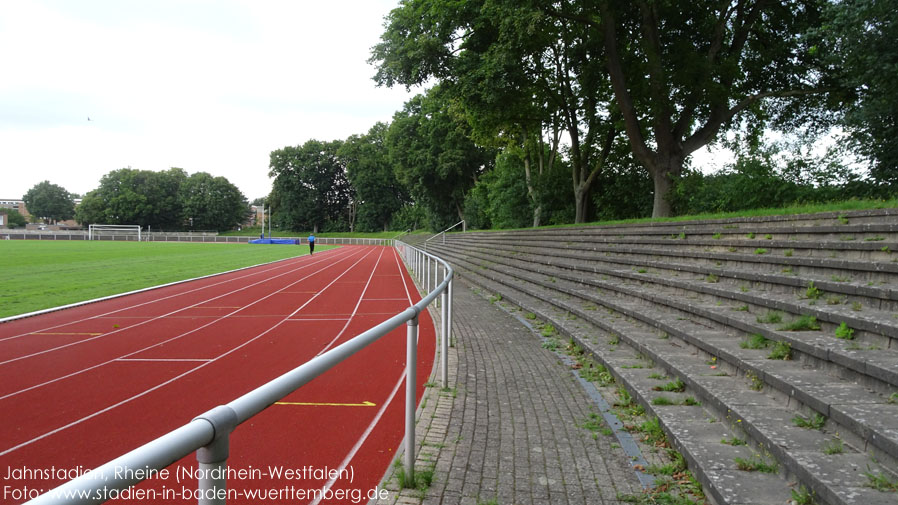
[[881, 482], [814, 422], [781, 351], [772, 317], [844, 332], [755, 383], [813, 293], [834, 446], [674, 386], [755, 464], [802, 496], [803, 323], [755, 341]]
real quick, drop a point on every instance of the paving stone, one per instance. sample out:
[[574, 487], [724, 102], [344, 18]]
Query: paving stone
[[517, 416]]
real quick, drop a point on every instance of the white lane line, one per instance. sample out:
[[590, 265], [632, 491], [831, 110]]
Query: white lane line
[[173, 360]]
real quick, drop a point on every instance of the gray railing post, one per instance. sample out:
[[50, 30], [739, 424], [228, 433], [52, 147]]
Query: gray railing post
[[449, 317], [444, 332], [411, 362], [213, 458]]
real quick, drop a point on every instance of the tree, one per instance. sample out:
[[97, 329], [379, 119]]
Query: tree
[[434, 157], [130, 196], [310, 187], [212, 203], [859, 38], [682, 71], [50, 202], [13, 218], [368, 168], [521, 76]]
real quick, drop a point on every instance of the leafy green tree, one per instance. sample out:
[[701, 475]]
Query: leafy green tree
[[50, 202], [212, 203], [859, 38], [368, 168], [130, 196], [500, 198], [683, 71], [310, 190], [522, 77], [13, 218], [434, 157]]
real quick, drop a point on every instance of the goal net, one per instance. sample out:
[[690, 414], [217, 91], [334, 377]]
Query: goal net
[[113, 232]]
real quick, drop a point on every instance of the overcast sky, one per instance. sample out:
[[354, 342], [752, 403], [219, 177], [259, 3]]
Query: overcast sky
[[205, 85]]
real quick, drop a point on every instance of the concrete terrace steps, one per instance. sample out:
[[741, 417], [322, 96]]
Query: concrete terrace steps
[[663, 292], [652, 299], [639, 339], [738, 268]]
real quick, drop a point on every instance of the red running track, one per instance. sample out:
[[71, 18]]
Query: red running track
[[82, 386]]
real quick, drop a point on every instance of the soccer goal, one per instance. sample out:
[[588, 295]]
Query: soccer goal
[[113, 231]]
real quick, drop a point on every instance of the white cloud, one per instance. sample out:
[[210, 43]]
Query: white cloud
[[202, 85]]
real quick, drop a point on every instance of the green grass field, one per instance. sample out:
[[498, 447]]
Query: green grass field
[[36, 275]]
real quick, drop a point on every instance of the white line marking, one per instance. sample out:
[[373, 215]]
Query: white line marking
[[164, 359]]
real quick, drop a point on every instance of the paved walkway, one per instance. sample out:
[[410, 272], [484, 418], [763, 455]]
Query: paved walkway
[[509, 427]]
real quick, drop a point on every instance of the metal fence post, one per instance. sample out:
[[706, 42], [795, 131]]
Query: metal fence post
[[213, 458], [411, 362], [449, 317], [444, 332]]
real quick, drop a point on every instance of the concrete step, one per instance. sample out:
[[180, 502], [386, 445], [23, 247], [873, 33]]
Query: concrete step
[[638, 335]]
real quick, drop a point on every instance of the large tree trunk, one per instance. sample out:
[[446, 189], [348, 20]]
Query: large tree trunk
[[663, 185], [531, 192], [537, 214], [581, 203], [664, 168]]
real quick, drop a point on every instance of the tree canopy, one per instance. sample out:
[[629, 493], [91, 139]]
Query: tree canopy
[[212, 203], [164, 200], [859, 40], [50, 202], [310, 190], [378, 192], [434, 156]]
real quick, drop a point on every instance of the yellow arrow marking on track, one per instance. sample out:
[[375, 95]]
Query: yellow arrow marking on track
[[363, 404]]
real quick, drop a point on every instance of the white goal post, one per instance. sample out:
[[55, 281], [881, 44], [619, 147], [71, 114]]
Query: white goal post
[[94, 231]]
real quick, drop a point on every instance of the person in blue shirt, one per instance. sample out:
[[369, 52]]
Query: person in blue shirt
[[311, 244]]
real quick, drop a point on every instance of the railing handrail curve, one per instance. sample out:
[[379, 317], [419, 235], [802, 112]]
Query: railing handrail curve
[[464, 228]]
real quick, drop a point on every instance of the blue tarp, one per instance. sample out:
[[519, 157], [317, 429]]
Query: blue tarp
[[290, 241]]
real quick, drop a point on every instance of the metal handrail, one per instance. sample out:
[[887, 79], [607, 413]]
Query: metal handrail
[[443, 233], [208, 434]]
